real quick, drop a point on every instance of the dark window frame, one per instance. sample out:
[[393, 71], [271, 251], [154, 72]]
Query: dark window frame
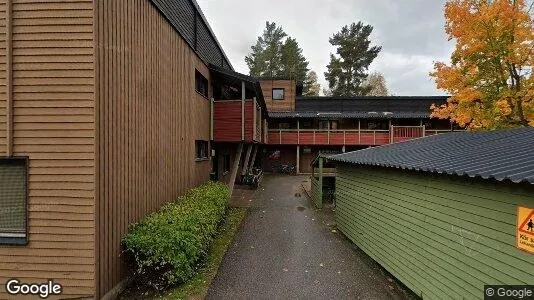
[[202, 149], [201, 84], [226, 166], [19, 241], [283, 94]]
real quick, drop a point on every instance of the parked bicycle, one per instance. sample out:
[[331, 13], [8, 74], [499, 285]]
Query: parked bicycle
[[287, 169]]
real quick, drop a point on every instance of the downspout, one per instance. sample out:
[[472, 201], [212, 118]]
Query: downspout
[[9, 77]]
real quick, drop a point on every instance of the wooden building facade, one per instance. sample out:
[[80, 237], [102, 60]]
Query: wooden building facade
[[300, 128], [106, 113]]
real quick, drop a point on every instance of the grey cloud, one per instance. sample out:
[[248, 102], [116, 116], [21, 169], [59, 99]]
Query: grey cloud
[[410, 31]]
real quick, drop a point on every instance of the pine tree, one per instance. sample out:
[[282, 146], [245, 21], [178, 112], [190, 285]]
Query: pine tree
[[266, 56], [293, 63], [275, 54], [348, 70]]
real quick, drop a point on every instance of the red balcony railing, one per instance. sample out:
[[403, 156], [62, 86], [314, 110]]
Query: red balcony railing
[[328, 137], [364, 137]]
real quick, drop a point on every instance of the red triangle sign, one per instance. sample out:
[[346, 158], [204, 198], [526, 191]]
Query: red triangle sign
[[527, 225]]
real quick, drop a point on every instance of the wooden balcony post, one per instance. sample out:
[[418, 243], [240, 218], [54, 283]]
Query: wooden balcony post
[[391, 134], [280, 135], [328, 134], [424, 130], [321, 163], [314, 136], [254, 116], [298, 134], [344, 137], [298, 159], [247, 160], [265, 131], [235, 166], [243, 95], [374, 137], [254, 155]]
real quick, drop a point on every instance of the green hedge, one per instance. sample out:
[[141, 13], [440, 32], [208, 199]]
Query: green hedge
[[166, 247]]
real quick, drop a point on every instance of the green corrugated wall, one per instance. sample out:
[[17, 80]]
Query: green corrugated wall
[[443, 237]]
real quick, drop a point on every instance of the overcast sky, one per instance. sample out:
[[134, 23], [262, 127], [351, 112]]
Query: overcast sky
[[410, 32]]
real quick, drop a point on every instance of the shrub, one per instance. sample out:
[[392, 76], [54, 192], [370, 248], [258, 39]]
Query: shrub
[[166, 247]]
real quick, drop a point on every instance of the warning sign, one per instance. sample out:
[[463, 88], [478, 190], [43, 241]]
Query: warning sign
[[525, 229]]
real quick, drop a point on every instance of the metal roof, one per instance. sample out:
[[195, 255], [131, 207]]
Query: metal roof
[[383, 107], [350, 115], [500, 155], [191, 23]]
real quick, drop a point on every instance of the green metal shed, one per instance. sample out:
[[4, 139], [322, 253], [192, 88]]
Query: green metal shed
[[440, 213]]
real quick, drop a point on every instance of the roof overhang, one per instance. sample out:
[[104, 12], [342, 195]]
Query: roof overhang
[[233, 78]]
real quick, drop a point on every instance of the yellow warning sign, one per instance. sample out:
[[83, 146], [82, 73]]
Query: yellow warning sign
[[525, 229]]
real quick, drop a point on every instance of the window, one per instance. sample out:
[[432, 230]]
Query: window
[[226, 163], [278, 94], [201, 84], [13, 193], [202, 149]]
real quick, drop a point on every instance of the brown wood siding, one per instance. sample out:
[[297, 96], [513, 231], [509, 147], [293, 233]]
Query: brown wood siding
[[289, 86], [53, 124], [149, 117], [3, 79], [227, 121]]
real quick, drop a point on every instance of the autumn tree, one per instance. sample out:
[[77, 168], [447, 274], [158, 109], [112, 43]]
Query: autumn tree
[[490, 75], [311, 85], [377, 83], [348, 69], [277, 55]]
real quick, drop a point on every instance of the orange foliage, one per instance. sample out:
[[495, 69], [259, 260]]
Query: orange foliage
[[489, 78]]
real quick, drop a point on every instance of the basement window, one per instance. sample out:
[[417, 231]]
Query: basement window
[[201, 84], [278, 94], [13, 201], [202, 149]]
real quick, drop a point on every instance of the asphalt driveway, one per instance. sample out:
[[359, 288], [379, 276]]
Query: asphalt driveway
[[287, 250]]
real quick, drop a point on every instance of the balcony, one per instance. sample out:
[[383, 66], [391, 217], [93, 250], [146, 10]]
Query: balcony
[[237, 120], [364, 137]]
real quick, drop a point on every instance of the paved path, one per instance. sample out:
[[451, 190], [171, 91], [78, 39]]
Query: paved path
[[286, 251]]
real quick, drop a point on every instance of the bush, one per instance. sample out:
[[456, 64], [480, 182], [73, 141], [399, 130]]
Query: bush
[[166, 247]]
